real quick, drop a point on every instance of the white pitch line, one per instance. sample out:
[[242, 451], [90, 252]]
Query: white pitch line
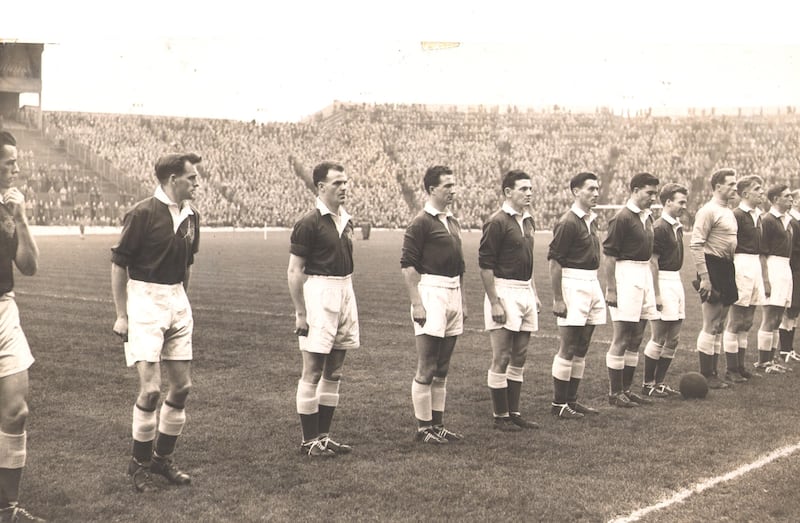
[[682, 495], [265, 313]]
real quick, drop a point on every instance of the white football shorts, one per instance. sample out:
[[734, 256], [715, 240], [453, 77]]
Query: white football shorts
[[749, 280], [673, 299], [331, 313], [441, 297], [519, 303], [780, 280], [15, 354], [583, 298], [160, 323], [636, 297]]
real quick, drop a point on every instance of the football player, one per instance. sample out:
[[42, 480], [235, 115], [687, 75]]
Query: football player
[[511, 306], [326, 316], [630, 291], [713, 244], [578, 303], [17, 247], [776, 244], [667, 261], [787, 327], [432, 263], [150, 271]]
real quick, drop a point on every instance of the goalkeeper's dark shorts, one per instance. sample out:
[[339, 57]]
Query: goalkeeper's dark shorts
[[722, 274]]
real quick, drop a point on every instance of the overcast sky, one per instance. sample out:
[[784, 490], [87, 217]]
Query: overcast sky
[[235, 59]]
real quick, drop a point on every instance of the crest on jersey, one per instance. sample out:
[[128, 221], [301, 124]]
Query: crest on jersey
[[189, 235]]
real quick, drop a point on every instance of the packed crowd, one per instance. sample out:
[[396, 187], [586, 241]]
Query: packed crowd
[[257, 174], [64, 193]]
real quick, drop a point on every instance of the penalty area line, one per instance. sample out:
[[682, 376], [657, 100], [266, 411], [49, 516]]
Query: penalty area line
[[684, 494]]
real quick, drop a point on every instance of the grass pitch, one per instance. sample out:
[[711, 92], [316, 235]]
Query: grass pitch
[[241, 439]]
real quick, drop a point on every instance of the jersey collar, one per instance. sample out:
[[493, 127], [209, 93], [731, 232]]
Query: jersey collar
[[580, 213], [676, 223], [746, 208], [433, 211], [161, 196], [511, 212], [323, 210], [636, 210]]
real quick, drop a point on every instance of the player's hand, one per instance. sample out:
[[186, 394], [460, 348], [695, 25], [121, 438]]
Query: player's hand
[[15, 201], [659, 304], [611, 297], [464, 311], [538, 305], [300, 324], [705, 289], [419, 314], [121, 327], [767, 289], [498, 312], [559, 308]]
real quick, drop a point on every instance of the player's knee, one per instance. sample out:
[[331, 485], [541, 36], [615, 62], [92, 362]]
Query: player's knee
[[14, 416], [519, 355], [500, 362], [425, 371], [149, 395], [181, 390], [312, 375], [333, 374], [424, 378], [634, 342], [566, 353]]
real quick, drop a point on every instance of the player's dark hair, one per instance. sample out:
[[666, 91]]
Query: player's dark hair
[[511, 177], [747, 182], [175, 163], [775, 191], [433, 176], [642, 180], [321, 171], [579, 179], [669, 191], [719, 176], [6, 138]]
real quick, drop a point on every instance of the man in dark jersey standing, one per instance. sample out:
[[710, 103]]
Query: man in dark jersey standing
[[17, 247], [667, 260], [433, 269], [630, 291], [750, 266], [326, 316], [150, 271], [776, 245], [578, 302], [787, 327], [511, 305]]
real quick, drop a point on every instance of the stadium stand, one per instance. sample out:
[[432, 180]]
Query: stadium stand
[[258, 174]]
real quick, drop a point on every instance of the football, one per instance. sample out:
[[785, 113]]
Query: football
[[693, 385]]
